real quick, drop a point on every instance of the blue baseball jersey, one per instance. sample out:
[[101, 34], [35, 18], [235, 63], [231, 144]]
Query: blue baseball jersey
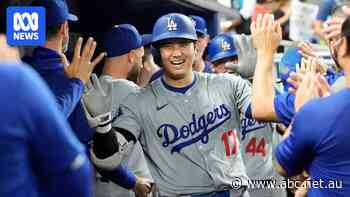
[[284, 107], [39, 154], [319, 143], [68, 92]]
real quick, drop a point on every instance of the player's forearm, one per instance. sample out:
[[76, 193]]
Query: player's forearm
[[263, 92], [121, 176]]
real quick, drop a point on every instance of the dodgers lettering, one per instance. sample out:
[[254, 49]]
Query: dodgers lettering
[[197, 129], [249, 125]]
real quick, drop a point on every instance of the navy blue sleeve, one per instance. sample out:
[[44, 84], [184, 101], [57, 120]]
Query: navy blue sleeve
[[284, 107], [295, 152], [333, 75], [69, 96], [57, 156], [325, 10], [121, 176]]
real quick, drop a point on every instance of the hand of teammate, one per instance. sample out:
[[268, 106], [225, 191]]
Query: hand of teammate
[[307, 90], [294, 79], [81, 67], [142, 187], [146, 72], [323, 87], [306, 50], [333, 29], [8, 53], [266, 33], [97, 104], [308, 65]]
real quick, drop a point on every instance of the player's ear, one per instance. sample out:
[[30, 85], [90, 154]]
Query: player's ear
[[132, 56]]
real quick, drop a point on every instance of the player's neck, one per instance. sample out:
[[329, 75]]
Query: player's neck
[[179, 83], [54, 45], [113, 69]]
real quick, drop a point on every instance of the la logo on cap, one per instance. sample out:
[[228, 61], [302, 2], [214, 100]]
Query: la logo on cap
[[225, 45], [172, 25], [25, 26], [194, 22]]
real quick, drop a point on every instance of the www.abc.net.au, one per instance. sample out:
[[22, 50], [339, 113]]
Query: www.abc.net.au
[[237, 183]]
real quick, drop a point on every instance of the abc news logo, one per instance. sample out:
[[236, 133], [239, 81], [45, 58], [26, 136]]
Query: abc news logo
[[26, 25], [29, 30]]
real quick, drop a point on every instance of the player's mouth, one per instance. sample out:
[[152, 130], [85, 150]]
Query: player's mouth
[[177, 63]]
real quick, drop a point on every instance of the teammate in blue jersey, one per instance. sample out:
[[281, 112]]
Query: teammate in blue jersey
[[319, 139], [39, 154], [66, 81], [269, 104]]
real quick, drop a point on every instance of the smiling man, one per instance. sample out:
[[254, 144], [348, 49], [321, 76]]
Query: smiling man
[[187, 121]]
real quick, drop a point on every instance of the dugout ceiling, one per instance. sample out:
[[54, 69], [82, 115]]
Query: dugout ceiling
[[99, 15]]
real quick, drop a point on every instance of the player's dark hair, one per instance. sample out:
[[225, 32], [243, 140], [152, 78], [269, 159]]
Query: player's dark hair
[[260, 1], [52, 30], [345, 31]]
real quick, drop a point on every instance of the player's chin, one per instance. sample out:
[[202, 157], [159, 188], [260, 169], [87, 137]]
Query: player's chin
[[177, 74]]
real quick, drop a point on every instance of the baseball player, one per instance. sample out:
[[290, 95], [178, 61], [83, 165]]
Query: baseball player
[[187, 122], [124, 47], [321, 142], [199, 65], [222, 52], [66, 81], [256, 138], [39, 154]]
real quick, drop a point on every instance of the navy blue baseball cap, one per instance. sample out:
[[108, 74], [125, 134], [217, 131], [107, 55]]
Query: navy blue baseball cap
[[121, 39], [220, 47], [288, 63], [56, 11], [146, 39], [200, 24], [173, 26]]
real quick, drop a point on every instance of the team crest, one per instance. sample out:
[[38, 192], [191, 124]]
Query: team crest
[[172, 25], [194, 22], [225, 45]]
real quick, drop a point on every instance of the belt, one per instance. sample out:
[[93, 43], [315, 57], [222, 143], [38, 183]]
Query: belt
[[225, 193]]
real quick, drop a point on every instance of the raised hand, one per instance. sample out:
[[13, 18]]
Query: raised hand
[[306, 49], [81, 66], [266, 33], [308, 90]]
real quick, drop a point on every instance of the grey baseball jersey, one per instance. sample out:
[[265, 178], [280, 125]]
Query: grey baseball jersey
[[190, 139], [257, 141], [135, 160]]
